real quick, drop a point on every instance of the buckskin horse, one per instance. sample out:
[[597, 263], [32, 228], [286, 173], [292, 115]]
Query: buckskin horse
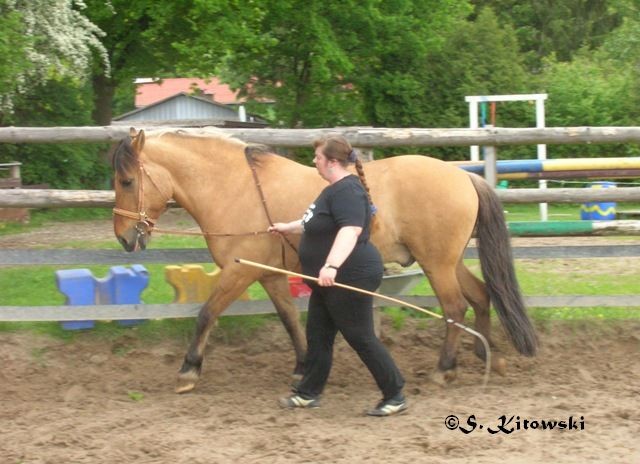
[[427, 211]]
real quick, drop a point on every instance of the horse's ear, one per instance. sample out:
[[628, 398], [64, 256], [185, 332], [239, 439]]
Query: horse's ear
[[133, 132], [138, 141]]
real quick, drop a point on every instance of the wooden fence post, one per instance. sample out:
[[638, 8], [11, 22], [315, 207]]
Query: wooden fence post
[[490, 163], [14, 181]]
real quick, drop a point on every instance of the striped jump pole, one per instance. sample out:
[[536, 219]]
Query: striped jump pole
[[564, 228]]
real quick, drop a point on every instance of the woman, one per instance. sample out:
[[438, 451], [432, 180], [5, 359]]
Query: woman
[[335, 246]]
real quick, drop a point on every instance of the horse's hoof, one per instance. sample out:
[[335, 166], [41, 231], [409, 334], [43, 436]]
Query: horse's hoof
[[186, 382], [443, 378], [499, 366], [450, 375], [184, 387]]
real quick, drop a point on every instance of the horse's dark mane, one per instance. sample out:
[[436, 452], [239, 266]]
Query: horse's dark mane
[[254, 152], [124, 158]]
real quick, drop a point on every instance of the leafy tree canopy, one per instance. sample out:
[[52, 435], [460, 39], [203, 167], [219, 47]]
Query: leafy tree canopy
[[332, 63], [45, 39]]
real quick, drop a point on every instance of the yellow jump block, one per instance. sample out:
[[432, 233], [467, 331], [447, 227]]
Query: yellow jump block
[[191, 284]]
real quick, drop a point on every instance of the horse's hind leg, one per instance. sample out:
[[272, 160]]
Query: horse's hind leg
[[232, 282], [277, 287], [447, 289], [475, 292]]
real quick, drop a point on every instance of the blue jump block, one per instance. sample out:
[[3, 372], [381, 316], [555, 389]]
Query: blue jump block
[[79, 287], [123, 286], [120, 286]]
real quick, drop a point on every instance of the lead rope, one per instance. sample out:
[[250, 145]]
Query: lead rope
[[256, 181]]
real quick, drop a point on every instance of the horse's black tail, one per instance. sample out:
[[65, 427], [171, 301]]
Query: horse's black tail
[[496, 262]]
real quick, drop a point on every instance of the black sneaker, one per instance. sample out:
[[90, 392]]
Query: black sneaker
[[298, 401], [395, 405]]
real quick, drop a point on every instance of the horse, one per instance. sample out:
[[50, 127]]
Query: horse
[[427, 212]]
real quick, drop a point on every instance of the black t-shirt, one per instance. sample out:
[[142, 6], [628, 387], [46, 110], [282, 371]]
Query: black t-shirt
[[344, 203]]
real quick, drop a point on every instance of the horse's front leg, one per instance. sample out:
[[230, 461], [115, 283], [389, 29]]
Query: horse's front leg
[[277, 287], [233, 280]]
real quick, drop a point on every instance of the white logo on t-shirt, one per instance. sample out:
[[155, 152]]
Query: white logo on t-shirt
[[308, 214]]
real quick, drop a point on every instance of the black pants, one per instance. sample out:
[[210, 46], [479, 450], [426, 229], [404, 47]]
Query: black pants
[[332, 309]]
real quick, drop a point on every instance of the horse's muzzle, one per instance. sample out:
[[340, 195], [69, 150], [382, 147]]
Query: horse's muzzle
[[135, 238]]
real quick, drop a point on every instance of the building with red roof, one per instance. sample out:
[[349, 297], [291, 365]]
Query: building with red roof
[[188, 102], [150, 91]]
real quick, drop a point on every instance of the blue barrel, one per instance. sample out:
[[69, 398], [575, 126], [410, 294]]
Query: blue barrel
[[599, 211]]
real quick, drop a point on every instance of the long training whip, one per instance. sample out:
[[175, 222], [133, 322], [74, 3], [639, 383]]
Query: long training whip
[[487, 350]]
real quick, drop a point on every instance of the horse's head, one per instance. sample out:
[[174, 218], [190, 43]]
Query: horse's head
[[139, 194]]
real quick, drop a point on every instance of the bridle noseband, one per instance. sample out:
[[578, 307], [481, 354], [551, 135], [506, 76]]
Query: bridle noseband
[[144, 220]]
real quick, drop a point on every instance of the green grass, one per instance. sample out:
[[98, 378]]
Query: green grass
[[531, 212]]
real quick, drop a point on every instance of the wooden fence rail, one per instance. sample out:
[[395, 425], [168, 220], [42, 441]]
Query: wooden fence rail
[[35, 198], [30, 257], [246, 308], [365, 137]]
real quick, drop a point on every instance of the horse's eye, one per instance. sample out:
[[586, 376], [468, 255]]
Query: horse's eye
[[126, 182]]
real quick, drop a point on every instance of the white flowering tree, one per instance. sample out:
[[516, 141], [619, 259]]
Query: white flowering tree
[[42, 40]]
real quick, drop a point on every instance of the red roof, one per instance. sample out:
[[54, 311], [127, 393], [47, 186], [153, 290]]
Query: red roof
[[149, 91]]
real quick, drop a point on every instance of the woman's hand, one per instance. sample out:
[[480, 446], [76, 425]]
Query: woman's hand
[[278, 228], [327, 276], [293, 227]]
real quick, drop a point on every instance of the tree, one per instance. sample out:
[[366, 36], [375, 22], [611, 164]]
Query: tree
[[14, 64], [328, 63], [73, 166], [134, 46], [395, 59], [43, 40], [300, 63], [546, 27], [599, 87], [478, 58]]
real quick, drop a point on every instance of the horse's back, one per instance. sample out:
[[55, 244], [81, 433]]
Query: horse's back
[[424, 203], [428, 174]]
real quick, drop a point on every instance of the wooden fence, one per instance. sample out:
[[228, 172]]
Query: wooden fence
[[12, 180], [64, 257], [366, 137], [361, 137]]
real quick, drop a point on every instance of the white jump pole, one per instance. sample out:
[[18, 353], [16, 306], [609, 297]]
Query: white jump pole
[[539, 98], [542, 152]]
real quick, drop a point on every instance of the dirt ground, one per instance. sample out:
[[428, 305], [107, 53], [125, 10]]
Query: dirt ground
[[111, 401]]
